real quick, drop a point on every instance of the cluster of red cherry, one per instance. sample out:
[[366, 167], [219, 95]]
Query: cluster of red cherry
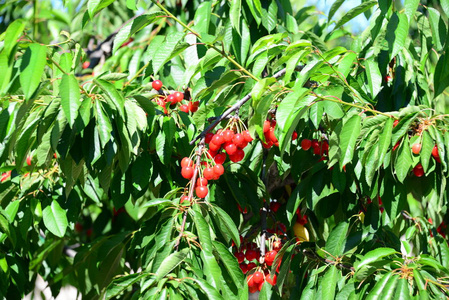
[[209, 170], [231, 141], [257, 274], [172, 99], [319, 147]]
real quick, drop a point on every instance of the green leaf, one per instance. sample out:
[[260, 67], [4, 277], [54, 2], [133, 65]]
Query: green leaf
[[13, 32], [438, 27], [355, 12], [70, 97], [348, 137], [329, 283], [397, 31], [209, 290], [402, 290], [171, 262], [202, 17], [410, 7], [374, 77], [122, 283], [113, 95], [55, 219], [335, 6], [227, 223], [133, 27], [235, 13], [164, 51], [445, 6], [231, 264], [335, 244], [378, 288], [373, 256], [32, 68], [427, 145], [441, 75], [388, 291], [404, 160], [269, 19], [94, 6], [260, 88]]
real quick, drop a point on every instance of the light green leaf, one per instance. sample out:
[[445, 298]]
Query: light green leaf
[[132, 27], [164, 51], [374, 77], [122, 283], [438, 27], [335, 244], [13, 32], [335, 6], [427, 145], [378, 288], [270, 18], [209, 290], [202, 17], [397, 31], [70, 97], [227, 223], [230, 263], [94, 6], [373, 256], [355, 12], [235, 13], [404, 160], [32, 68], [329, 283], [113, 95], [348, 138], [55, 219], [171, 262], [410, 7]]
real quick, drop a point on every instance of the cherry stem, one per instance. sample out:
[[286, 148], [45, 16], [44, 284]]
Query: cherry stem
[[192, 187]]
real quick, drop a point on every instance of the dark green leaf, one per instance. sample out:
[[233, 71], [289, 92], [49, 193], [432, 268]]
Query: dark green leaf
[[70, 97]]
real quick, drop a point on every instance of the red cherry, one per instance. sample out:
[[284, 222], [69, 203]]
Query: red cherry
[[243, 266], [395, 123], [209, 173], [230, 148], [247, 136], [419, 172], [294, 135], [267, 145], [315, 143], [201, 182], [270, 256], [274, 206], [325, 147], [435, 153], [240, 257], [78, 227], [178, 96], [271, 279], [250, 281], [184, 198], [258, 277], [416, 148], [193, 106], [212, 153], [272, 136], [29, 160], [220, 158], [213, 146], [186, 161], [317, 150], [251, 266], [201, 191], [266, 126], [238, 156], [208, 137], [187, 172], [228, 135], [418, 166], [239, 140], [86, 64], [157, 85], [217, 139], [184, 108], [218, 170], [306, 144], [252, 254], [171, 99]]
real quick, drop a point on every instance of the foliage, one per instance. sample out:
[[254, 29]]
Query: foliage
[[91, 152]]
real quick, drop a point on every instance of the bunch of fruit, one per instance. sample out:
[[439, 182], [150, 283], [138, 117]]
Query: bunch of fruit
[[269, 127], [319, 147], [208, 170], [230, 140], [172, 99]]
